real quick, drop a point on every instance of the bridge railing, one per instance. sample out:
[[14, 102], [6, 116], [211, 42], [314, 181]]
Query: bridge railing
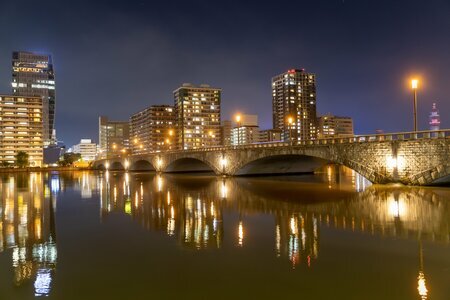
[[368, 138]]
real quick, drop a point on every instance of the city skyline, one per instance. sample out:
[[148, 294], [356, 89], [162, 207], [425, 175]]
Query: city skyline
[[362, 71]]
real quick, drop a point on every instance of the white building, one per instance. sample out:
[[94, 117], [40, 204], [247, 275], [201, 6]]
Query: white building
[[87, 149], [246, 130]]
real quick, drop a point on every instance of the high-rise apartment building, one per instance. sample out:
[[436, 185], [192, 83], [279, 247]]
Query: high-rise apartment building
[[33, 75], [114, 137], [21, 129], [87, 149], [197, 111], [294, 99], [331, 126], [153, 129]]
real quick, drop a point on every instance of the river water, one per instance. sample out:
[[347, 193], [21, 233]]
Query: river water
[[115, 235]]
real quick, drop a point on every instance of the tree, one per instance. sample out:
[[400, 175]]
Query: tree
[[69, 158], [22, 159], [5, 164]]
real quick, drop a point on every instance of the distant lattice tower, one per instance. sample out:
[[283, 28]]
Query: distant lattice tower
[[435, 120]]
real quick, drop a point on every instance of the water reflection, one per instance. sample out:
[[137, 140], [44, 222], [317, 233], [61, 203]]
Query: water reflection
[[192, 208], [194, 217], [28, 228], [207, 213]]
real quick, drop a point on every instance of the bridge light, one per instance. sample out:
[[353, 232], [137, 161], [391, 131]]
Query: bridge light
[[223, 162], [414, 83], [159, 163], [126, 164], [391, 162], [107, 165]]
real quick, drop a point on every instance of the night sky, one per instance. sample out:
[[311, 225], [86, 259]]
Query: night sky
[[115, 58]]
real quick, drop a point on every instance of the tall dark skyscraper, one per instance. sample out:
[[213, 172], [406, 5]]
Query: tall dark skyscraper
[[33, 75], [294, 99]]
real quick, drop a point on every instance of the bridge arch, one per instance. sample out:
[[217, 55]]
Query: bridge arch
[[284, 163], [142, 165], [437, 175], [304, 159], [116, 166], [189, 164]]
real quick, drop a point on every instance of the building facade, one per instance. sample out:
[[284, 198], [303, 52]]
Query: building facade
[[270, 135], [245, 135], [331, 126], [294, 98], [87, 149], [21, 129], [153, 129], [197, 110], [114, 137], [33, 75]]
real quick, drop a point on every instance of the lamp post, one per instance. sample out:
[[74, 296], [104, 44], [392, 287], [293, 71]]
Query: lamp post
[[290, 121], [414, 84], [238, 121]]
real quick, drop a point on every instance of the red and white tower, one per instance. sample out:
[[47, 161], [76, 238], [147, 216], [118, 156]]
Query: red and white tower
[[435, 120]]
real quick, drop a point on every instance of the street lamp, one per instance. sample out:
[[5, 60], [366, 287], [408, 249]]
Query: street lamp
[[290, 121], [414, 84], [238, 121]]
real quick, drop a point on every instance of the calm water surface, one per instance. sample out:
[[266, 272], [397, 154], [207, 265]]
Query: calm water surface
[[86, 235]]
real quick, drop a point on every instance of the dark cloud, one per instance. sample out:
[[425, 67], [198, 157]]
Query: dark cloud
[[117, 57]]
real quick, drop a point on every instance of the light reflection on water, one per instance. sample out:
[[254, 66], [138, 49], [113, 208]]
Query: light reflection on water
[[28, 228], [192, 209]]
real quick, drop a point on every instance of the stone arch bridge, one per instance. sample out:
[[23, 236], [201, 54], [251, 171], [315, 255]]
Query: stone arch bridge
[[415, 158]]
